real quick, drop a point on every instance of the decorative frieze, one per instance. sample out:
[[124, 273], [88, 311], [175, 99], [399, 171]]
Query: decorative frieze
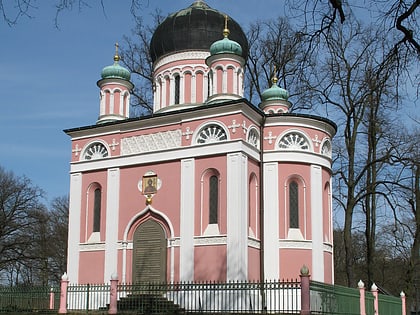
[[151, 142]]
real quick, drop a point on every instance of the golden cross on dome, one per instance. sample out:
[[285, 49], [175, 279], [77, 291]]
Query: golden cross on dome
[[274, 78], [116, 56], [226, 31]]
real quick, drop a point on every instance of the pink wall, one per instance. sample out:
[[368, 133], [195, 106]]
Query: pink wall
[[166, 200], [290, 267], [91, 267], [328, 267], [210, 263], [253, 264]]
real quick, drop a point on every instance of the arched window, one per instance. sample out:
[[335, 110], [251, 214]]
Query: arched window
[[177, 88], [211, 133], [213, 199], [293, 205], [294, 141], [95, 151], [97, 210]]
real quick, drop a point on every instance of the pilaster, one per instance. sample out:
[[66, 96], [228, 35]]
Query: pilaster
[[112, 215]]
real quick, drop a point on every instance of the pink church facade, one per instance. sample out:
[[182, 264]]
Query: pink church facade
[[207, 188]]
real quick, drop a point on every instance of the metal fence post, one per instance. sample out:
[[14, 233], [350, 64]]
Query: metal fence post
[[51, 298], [87, 297], [361, 286], [305, 291], [113, 295], [63, 294], [374, 290], [403, 310]]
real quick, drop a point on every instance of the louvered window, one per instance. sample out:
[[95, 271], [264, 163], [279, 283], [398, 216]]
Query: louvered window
[[293, 205], [213, 199], [97, 211], [177, 88]]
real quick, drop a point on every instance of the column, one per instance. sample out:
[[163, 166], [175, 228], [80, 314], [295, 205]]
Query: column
[[75, 208], [111, 103], [271, 221], [171, 91], [317, 224], [111, 230], [224, 81], [182, 89], [193, 88], [186, 272], [237, 216]]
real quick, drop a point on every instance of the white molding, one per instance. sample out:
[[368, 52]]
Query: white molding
[[210, 240], [294, 244], [218, 148], [186, 55], [90, 247], [254, 243], [301, 122], [304, 157]]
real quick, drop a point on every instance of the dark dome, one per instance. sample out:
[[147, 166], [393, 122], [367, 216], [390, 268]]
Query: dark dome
[[196, 27]]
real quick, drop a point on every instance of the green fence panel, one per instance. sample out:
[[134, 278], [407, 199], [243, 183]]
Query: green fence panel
[[389, 305], [334, 299], [369, 303]]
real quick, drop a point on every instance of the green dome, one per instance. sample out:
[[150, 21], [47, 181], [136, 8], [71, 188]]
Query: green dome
[[225, 46], [275, 93], [116, 71]]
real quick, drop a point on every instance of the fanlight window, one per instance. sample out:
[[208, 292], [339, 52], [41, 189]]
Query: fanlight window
[[211, 134], [326, 148], [294, 141], [254, 138], [95, 151]]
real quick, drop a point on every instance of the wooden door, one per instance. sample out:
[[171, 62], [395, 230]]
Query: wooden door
[[149, 253]]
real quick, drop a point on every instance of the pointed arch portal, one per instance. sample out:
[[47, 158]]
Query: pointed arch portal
[[149, 253]]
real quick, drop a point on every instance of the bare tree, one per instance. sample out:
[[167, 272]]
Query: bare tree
[[404, 188], [275, 46], [19, 203], [352, 81]]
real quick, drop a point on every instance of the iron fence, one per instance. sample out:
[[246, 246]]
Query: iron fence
[[171, 298], [29, 298], [88, 296]]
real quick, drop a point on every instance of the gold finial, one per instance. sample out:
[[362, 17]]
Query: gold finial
[[274, 79], [116, 56], [226, 31]]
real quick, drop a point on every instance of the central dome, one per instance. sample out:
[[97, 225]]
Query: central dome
[[194, 28]]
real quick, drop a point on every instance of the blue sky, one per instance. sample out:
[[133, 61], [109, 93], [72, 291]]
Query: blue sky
[[48, 78]]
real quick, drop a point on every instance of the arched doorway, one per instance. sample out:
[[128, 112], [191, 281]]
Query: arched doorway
[[149, 253]]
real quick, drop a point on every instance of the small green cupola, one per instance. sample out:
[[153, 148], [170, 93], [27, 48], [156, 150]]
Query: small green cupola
[[225, 45], [116, 71], [275, 93], [274, 100]]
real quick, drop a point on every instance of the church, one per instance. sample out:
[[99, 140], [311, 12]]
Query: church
[[209, 187]]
